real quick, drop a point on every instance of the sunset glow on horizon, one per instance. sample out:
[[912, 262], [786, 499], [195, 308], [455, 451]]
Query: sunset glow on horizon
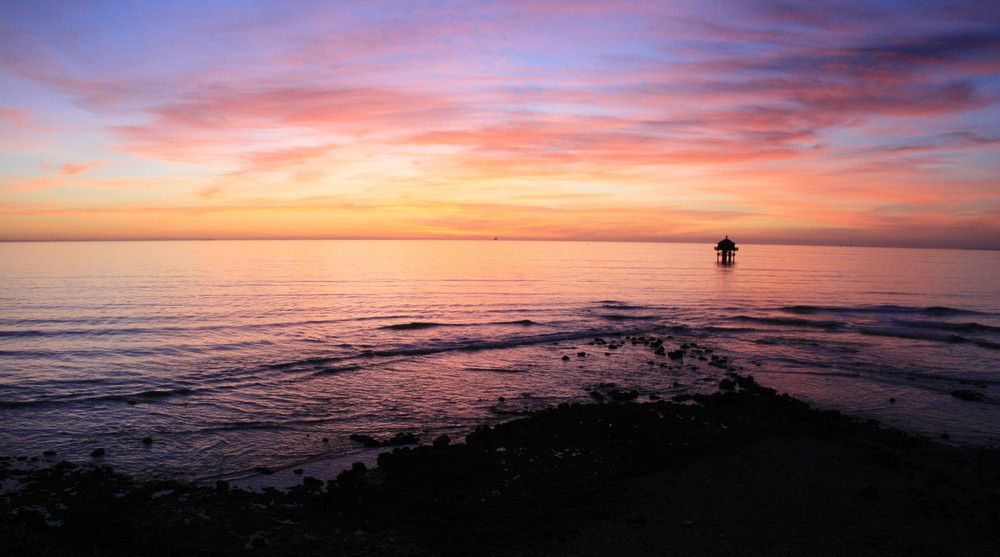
[[827, 122]]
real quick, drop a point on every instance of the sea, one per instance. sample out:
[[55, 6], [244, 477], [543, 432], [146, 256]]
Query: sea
[[231, 356]]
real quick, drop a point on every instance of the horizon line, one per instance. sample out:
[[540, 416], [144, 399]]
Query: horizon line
[[482, 239]]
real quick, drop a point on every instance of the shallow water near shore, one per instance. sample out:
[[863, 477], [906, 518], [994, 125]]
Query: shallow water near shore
[[235, 355]]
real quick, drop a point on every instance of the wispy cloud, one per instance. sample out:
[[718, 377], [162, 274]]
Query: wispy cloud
[[69, 169]]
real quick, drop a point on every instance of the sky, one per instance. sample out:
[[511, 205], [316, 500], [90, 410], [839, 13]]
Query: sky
[[821, 122]]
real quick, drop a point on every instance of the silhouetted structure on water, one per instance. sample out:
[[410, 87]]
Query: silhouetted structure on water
[[726, 250]]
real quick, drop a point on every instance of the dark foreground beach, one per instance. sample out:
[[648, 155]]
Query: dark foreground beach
[[745, 471]]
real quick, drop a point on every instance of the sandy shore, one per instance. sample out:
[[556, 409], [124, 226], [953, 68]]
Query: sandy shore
[[742, 472]]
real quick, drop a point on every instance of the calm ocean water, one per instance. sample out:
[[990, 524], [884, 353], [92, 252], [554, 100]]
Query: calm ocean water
[[232, 355]]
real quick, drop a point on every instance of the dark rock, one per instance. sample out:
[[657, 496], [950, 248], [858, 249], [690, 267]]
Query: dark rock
[[565, 358], [623, 396], [675, 354], [97, 453], [221, 485], [359, 468], [398, 439], [298, 471], [264, 470], [49, 452], [402, 439], [596, 395], [312, 484], [346, 478], [966, 394], [366, 440], [581, 354], [326, 439], [386, 460], [501, 399], [147, 440], [718, 361], [892, 400], [479, 437], [442, 441], [727, 384]]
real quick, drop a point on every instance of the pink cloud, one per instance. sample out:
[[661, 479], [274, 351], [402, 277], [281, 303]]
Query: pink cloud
[[18, 117], [70, 169], [23, 120]]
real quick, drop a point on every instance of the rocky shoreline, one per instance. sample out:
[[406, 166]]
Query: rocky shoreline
[[744, 471]]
